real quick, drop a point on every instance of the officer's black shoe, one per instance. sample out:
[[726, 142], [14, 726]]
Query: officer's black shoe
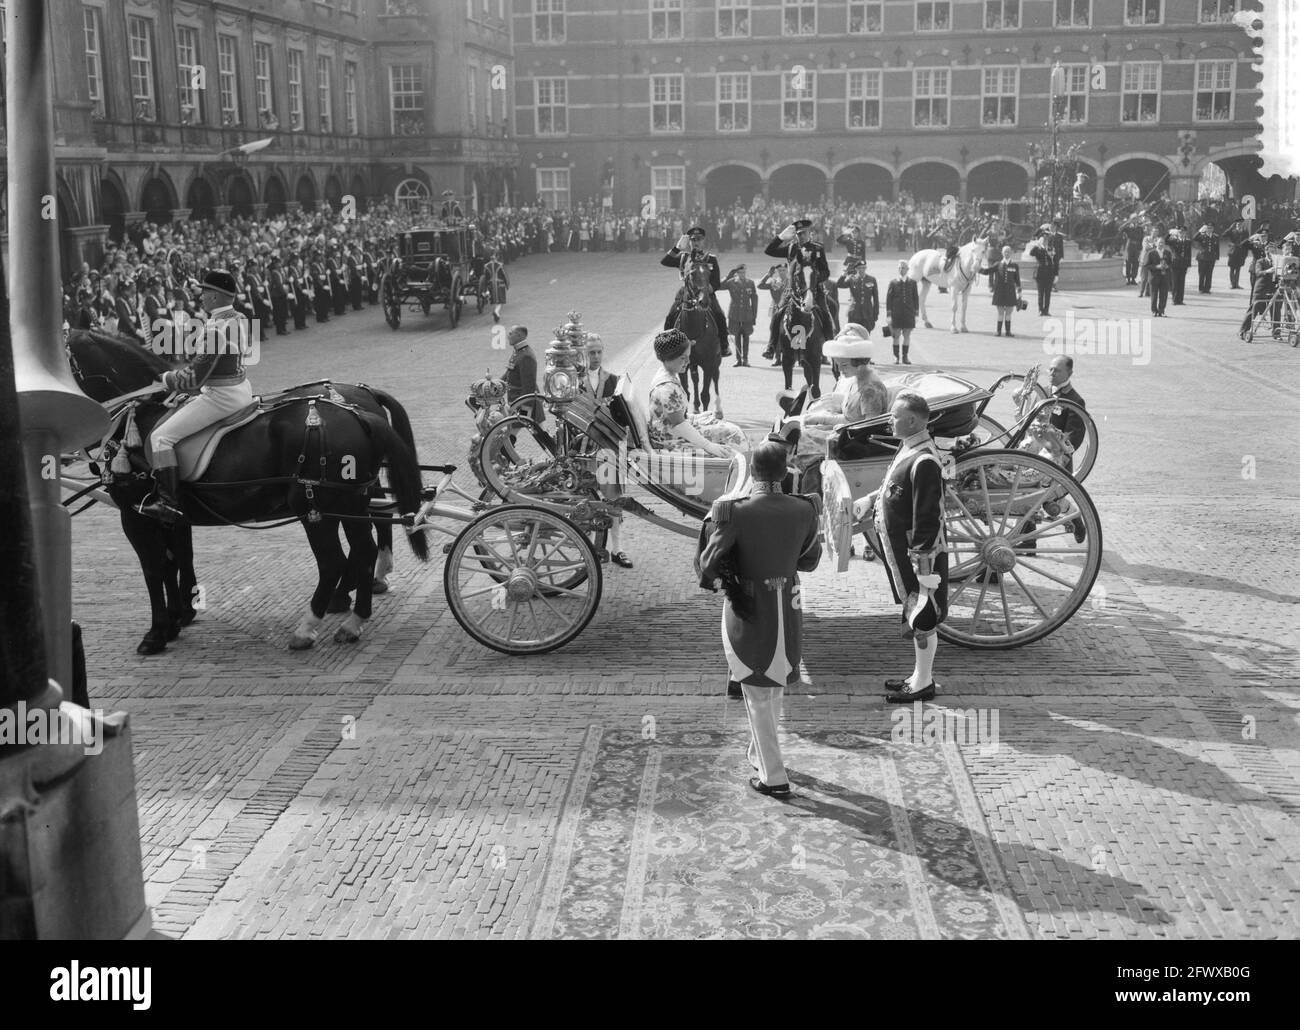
[[733, 690], [162, 505], [775, 790], [906, 697]]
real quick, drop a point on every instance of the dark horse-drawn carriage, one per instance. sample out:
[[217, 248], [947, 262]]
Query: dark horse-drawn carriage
[[432, 267]]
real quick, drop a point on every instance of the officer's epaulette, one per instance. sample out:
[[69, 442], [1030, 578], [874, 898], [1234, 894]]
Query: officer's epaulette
[[814, 499], [721, 511]]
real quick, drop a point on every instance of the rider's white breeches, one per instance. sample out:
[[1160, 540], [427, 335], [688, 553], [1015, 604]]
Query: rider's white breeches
[[212, 404]]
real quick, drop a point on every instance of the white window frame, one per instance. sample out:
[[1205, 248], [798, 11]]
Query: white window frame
[[672, 83], [547, 15], [863, 98], [140, 55], [549, 189], [293, 74], [1004, 89], [228, 77], [552, 95], [325, 92], [864, 9], [798, 97], [664, 11], [728, 89], [263, 63], [799, 9], [1220, 16], [1140, 69], [989, 5], [187, 57], [352, 123], [409, 106], [1074, 22], [1144, 6], [734, 10], [664, 181], [1076, 78], [931, 94], [92, 30], [1214, 89], [933, 8]]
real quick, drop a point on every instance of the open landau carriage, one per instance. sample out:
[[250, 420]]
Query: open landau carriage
[[524, 576]]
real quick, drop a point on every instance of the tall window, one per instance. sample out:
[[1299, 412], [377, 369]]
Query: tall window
[[665, 19], [325, 92], [1140, 92], [733, 19], [406, 99], [140, 37], [551, 101], [350, 98], [1073, 14], [1002, 14], [187, 57], [866, 17], [799, 100], [94, 60], [930, 98], [471, 95], [1074, 94], [228, 79], [262, 79], [933, 15], [1000, 88], [733, 102], [553, 188], [799, 17], [864, 100], [668, 184], [295, 89], [1142, 12], [667, 111], [548, 22], [1216, 11], [1214, 90]]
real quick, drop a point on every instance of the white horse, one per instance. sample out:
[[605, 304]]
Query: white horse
[[926, 267]]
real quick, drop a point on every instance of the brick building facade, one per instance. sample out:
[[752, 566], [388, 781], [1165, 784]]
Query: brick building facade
[[705, 102]]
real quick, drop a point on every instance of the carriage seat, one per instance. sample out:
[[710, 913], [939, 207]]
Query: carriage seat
[[194, 453]]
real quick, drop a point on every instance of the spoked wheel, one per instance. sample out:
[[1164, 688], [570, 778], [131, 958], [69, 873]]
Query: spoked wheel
[[1037, 436], [1010, 401], [1024, 548], [454, 304], [392, 304], [517, 456], [505, 577], [989, 432], [499, 573]]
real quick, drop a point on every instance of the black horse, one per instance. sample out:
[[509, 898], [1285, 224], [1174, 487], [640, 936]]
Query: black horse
[[307, 457], [695, 319], [800, 338]]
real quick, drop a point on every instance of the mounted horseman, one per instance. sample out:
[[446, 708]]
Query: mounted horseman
[[687, 252], [805, 319]]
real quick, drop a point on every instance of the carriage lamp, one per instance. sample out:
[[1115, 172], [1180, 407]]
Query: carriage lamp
[[565, 364]]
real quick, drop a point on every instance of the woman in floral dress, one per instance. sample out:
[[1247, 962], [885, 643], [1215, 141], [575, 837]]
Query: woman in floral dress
[[671, 428]]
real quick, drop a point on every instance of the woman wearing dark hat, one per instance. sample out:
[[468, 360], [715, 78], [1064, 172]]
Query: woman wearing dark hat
[[671, 429], [216, 378]]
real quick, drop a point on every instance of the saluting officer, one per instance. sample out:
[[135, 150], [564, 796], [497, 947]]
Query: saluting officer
[[807, 263], [864, 293], [755, 547], [1206, 257], [688, 249], [1181, 247], [908, 517], [743, 310], [855, 245]]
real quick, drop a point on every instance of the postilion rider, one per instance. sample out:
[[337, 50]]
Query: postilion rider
[[690, 248], [908, 519], [755, 547], [216, 379]]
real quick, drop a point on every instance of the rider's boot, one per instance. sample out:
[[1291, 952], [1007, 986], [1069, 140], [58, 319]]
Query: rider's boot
[[162, 504]]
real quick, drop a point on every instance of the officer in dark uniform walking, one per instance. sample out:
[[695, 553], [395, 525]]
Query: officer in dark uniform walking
[[754, 548], [688, 249], [907, 515]]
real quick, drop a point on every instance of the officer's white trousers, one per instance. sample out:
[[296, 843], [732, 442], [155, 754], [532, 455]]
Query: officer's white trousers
[[763, 704]]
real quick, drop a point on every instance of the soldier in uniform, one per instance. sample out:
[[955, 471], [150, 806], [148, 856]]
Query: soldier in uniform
[[1181, 247], [521, 373], [855, 245], [754, 547], [864, 293], [320, 284], [1004, 281], [370, 272], [1235, 237], [1158, 262], [806, 263], [1045, 272], [278, 289], [1206, 257], [338, 285], [742, 311], [774, 282], [356, 287], [908, 516], [216, 378], [1132, 232], [690, 248], [299, 291]]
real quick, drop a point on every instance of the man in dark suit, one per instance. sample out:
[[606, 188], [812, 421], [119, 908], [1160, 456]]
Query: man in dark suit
[[902, 302], [1181, 247], [1206, 258], [1045, 273], [1159, 263], [687, 250], [1069, 422]]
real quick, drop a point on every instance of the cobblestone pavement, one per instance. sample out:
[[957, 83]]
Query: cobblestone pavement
[[1145, 780]]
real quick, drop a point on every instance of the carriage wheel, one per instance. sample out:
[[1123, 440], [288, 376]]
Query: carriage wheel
[[504, 580], [1016, 570], [494, 569], [392, 305], [1084, 456], [454, 303], [517, 455], [1003, 407], [989, 432]]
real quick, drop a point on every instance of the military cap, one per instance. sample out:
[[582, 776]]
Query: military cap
[[221, 281]]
